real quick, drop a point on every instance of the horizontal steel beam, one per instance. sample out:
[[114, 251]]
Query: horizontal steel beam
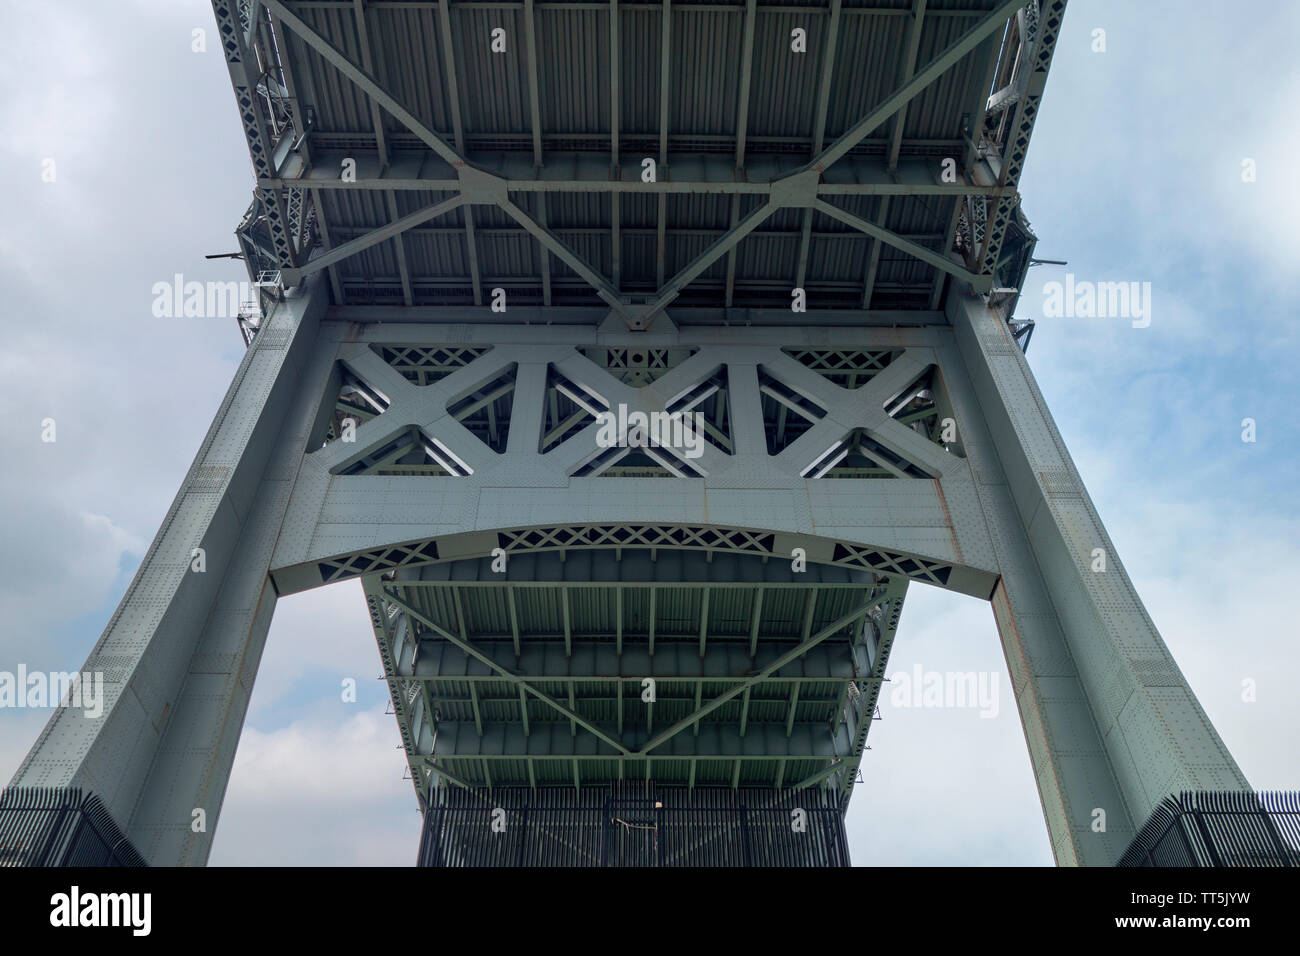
[[649, 6], [506, 740], [568, 232], [597, 661], [573, 322], [692, 173], [547, 584], [484, 697]]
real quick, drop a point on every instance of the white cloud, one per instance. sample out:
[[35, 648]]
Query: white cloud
[[65, 568], [294, 763], [945, 786], [19, 728], [320, 637], [1215, 580], [327, 790]]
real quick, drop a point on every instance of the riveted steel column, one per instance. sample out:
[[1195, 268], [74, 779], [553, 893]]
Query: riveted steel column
[[179, 655], [1086, 659]]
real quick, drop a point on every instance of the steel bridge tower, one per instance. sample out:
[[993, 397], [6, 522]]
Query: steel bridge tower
[[479, 229]]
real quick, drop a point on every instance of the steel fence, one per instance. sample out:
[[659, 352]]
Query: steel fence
[[1220, 829], [634, 825], [56, 826]]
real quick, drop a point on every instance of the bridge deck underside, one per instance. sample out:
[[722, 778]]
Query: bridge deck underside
[[595, 667], [568, 102]]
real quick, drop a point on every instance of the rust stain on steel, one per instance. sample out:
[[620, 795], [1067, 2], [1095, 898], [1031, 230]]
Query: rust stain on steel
[[947, 520]]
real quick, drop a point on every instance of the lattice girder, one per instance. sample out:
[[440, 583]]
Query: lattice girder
[[718, 361], [1097, 692]]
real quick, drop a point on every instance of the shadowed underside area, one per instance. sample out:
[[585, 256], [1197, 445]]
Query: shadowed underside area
[[690, 669], [646, 151]]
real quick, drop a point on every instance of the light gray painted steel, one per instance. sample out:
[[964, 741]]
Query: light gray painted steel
[[180, 653], [1109, 720]]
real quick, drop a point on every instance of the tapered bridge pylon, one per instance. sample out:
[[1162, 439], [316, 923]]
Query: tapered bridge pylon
[[771, 228]]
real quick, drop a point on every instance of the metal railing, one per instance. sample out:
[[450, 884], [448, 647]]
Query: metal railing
[[55, 826], [1233, 828], [634, 825]]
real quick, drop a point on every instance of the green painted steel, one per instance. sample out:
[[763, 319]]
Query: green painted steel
[[704, 671]]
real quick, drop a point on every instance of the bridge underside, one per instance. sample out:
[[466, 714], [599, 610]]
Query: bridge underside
[[467, 267], [635, 707], [632, 155], [682, 668]]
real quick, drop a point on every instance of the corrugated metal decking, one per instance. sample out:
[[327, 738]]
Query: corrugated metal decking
[[725, 97]]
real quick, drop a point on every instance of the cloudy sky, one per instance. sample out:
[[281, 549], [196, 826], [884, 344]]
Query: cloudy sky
[[1134, 175]]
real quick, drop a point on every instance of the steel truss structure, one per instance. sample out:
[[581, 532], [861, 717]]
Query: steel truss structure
[[463, 278]]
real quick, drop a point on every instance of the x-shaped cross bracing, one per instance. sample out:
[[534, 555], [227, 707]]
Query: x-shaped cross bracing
[[743, 684], [427, 407], [800, 188]]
